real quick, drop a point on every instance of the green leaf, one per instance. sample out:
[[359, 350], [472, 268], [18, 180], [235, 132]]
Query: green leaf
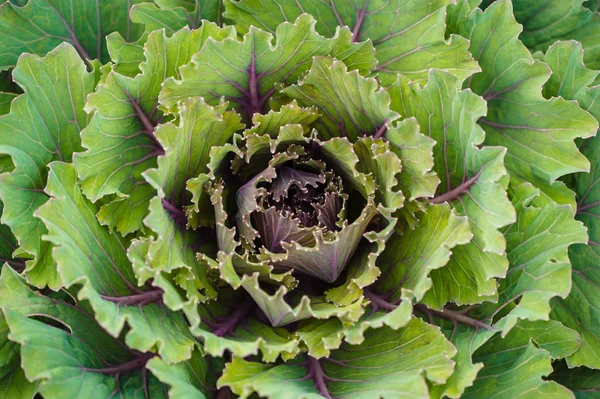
[[248, 73], [90, 255], [539, 269], [573, 81], [583, 382], [396, 364], [186, 379], [187, 147], [40, 25], [66, 351], [473, 181], [514, 365], [120, 139], [229, 327], [537, 133], [8, 246], [282, 309], [350, 105], [43, 126], [547, 22], [13, 383], [172, 15], [415, 151], [410, 256], [408, 36]]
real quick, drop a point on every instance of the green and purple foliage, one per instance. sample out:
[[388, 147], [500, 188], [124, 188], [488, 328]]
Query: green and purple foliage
[[352, 199]]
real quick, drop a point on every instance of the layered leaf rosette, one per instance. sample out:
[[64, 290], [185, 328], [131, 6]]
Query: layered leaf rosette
[[296, 200]]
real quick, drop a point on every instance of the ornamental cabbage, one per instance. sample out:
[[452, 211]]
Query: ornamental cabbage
[[299, 199]]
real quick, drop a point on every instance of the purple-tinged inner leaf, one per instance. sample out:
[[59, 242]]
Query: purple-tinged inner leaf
[[275, 227], [287, 177]]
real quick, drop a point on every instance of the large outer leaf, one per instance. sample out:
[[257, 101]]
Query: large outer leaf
[[473, 180], [388, 364], [13, 383], [514, 365], [40, 25], [539, 269], [548, 21], [230, 326], [350, 105], [187, 379], [172, 15], [410, 256], [72, 356], [120, 137], [572, 80], [89, 254], [538, 133], [583, 382], [187, 145], [248, 72], [408, 35], [44, 125]]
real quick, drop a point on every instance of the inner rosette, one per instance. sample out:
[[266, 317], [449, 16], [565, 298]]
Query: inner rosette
[[300, 220]]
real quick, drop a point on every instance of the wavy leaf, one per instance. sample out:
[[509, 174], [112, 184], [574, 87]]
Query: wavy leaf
[[537, 133], [43, 126], [573, 81], [537, 246], [40, 25], [549, 21], [172, 15], [88, 254], [71, 355], [514, 366], [408, 36], [351, 105], [391, 363], [412, 255], [473, 181], [249, 72], [121, 139]]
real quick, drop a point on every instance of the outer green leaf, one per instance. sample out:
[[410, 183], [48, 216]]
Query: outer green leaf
[[187, 147], [8, 246], [583, 382], [410, 256], [466, 340], [350, 105], [593, 5], [229, 327], [538, 133], [579, 310], [40, 25], [514, 365], [18, 386], [72, 356], [388, 364], [89, 254], [473, 181], [13, 383], [187, 379], [408, 35], [540, 269], [546, 22], [172, 15], [120, 138], [44, 125], [415, 151], [248, 72], [572, 80]]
